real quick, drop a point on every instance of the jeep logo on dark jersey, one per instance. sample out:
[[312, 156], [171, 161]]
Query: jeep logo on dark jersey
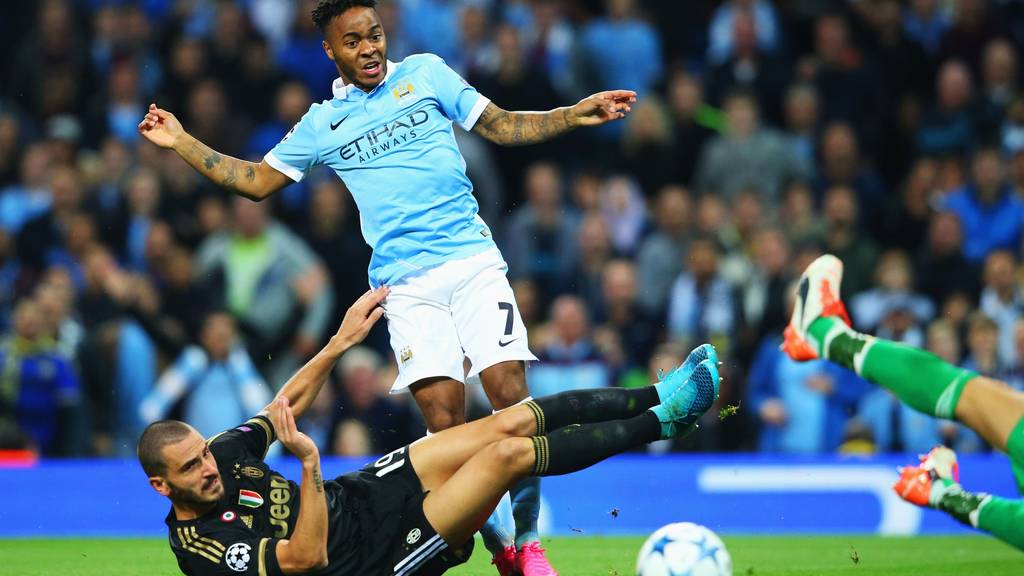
[[280, 495], [384, 138]]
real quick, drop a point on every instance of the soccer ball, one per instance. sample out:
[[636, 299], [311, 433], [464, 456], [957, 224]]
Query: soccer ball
[[683, 549]]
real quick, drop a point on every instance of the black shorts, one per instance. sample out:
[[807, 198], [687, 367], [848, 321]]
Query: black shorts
[[410, 545]]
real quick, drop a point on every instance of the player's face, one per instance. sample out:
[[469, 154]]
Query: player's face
[[192, 477], [355, 41]]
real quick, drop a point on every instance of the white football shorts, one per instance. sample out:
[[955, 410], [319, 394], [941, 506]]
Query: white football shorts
[[461, 309]]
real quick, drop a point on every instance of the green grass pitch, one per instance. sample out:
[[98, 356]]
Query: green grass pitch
[[587, 556]]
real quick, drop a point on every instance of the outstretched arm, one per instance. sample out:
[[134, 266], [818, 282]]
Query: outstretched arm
[[303, 387], [252, 180], [306, 550], [521, 128]]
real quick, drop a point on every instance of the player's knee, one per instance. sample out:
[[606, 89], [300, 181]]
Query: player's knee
[[513, 454], [515, 423], [443, 418], [505, 384]]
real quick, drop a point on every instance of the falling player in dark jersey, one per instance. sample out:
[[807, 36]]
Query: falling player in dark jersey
[[414, 511]]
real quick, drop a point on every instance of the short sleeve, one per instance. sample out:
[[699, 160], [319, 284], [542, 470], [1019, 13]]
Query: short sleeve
[[224, 555], [252, 438], [297, 152], [459, 101]]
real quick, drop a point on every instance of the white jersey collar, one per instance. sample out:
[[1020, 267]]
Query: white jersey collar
[[341, 89]]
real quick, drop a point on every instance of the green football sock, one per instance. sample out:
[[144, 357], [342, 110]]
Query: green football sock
[[919, 379], [1002, 518], [1015, 449]]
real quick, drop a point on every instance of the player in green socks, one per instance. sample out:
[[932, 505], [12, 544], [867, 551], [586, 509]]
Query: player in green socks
[[820, 328]]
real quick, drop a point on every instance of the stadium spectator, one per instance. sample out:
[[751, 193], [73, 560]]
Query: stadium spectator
[[1001, 301], [215, 382], [702, 306], [844, 81], [549, 42], [800, 113], [803, 226], [624, 213], [607, 66], [303, 53], [41, 236], [10, 279], [476, 49], [387, 423], [926, 23], [950, 125], [594, 250], [904, 68], [904, 222], [1014, 374], [660, 256], [541, 235], [974, 25], [801, 408], [763, 296], [647, 146], [39, 391], [724, 37], [891, 309], [751, 66], [208, 116], [251, 270], [843, 165], [999, 80], [570, 359], [30, 196], [331, 231], [746, 156], [991, 215], [692, 125], [844, 239], [50, 72], [631, 330], [942, 269]]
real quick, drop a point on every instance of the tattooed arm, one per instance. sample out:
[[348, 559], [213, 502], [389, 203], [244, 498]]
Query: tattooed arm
[[521, 128], [252, 180], [306, 550]]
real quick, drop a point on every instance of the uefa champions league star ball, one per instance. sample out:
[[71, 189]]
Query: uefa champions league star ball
[[683, 549]]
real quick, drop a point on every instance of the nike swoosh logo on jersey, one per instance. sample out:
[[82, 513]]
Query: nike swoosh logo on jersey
[[335, 126], [503, 344]]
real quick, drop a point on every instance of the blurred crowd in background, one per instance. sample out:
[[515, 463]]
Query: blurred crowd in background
[[766, 133]]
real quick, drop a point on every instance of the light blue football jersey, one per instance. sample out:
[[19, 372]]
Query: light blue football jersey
[[394, 147]]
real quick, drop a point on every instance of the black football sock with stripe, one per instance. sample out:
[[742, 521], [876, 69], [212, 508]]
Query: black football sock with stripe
[[576, 447], [589, 406]]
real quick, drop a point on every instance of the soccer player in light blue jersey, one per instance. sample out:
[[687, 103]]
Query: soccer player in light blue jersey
[[388, 134]]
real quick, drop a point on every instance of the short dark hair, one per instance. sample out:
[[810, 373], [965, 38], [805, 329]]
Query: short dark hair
[[152, 442], [326, 10]]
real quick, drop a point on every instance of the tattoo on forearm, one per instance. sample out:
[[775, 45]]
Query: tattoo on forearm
[[211, 160], [318, 481], [520, 128], [221, 170]]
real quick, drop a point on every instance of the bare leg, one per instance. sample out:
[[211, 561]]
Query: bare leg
[[442, 402], [991, 408], [458, 508], [438, 457], [505, 384]]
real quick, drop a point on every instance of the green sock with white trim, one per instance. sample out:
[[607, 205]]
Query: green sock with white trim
[[919, 379]]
